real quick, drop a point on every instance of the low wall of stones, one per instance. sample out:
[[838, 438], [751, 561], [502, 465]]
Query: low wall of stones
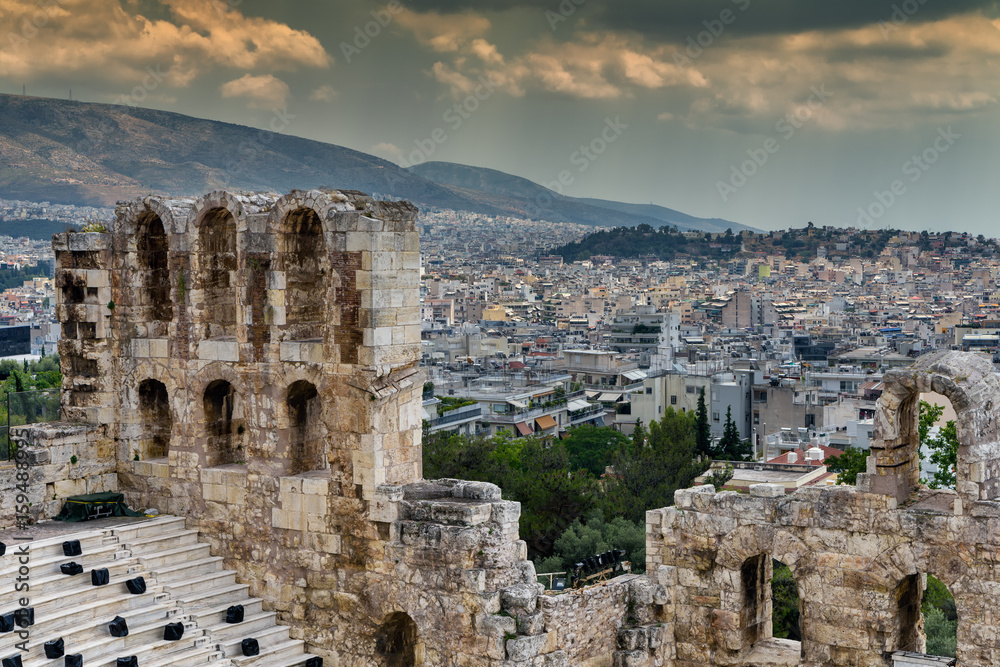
[[584, 623], [60, 459], [857, 559]]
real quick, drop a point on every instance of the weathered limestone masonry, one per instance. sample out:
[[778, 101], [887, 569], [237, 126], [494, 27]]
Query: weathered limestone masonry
[[859, 556], [249, 361]]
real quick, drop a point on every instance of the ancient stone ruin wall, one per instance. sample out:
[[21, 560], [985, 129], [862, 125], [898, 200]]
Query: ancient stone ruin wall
[[859, 557], [249, 361]]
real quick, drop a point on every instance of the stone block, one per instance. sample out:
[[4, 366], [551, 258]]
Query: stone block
[[523, 649], [767, 490], [519, 599]]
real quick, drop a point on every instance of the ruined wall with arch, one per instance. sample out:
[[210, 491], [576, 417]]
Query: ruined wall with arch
[[860, 556]]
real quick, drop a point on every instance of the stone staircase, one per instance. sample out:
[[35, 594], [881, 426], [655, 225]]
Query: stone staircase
[[185, 584]]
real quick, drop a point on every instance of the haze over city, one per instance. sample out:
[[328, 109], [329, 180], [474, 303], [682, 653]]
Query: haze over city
[[832, 104]]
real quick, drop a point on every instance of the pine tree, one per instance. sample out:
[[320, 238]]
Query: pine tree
[[732, 447], [703, 430]]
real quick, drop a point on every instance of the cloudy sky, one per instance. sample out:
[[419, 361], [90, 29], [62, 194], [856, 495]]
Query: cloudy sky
[[768, 112]]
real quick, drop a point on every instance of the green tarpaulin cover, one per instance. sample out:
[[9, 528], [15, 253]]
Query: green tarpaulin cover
[[81, 508]]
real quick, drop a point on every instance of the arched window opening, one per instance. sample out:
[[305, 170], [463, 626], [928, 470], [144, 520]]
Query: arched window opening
[[396, 642], [936, 428], [154, 265], [770, 612], [223, 424], [940, 616], [306, 442], [755, 615], [217, 262], [786, 608], [156, 422], [306, 274]]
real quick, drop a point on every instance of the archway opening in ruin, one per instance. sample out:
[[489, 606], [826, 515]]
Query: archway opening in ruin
[[155, 420], [306, 441], [217, 263], [928, 617], [396, 642], [786, 608], [154, 265], [223, 424], [940, 614], [306, 268], [770, 602]]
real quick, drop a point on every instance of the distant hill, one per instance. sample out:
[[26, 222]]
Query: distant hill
[[96, 154], [683, 221], [555, 207]]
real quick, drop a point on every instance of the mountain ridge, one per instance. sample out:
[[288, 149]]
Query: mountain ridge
[[86, 153]]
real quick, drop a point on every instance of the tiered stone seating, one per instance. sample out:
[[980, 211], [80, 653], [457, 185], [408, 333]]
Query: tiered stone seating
[[185, 583]]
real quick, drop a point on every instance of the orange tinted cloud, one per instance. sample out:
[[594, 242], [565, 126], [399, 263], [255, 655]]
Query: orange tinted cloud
[[110, 40]]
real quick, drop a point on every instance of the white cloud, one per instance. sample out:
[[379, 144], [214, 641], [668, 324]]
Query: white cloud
[[324, 93], [389, 151], [262, 92]]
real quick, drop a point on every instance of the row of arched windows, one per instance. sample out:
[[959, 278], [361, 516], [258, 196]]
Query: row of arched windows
[[224, 425], [301, 255]]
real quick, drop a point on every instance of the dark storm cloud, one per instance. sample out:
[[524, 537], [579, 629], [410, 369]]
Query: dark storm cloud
[[675, 19]]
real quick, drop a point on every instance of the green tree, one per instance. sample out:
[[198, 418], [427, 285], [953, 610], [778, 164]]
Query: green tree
[[943, 446], [785, 603], [731, 447], [594, 536], [719, 477], [848, 465], [647, 478], [942, 634], [703, 430], [592, 447], [551, 495]]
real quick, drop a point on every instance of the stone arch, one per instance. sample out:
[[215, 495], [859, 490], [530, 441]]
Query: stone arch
[[305, 263], [217, 273], [223, 423], [968, 381], [156, 421], [745, 556], [306, 441], [153, 259], [397, 642]]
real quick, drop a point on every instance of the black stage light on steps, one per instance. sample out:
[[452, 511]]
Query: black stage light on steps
[[71, 568], [72, 548], [234, 614], [55, 648], [118, 627], [250, 646], [100, 577], [173, 631], [136, 586]]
